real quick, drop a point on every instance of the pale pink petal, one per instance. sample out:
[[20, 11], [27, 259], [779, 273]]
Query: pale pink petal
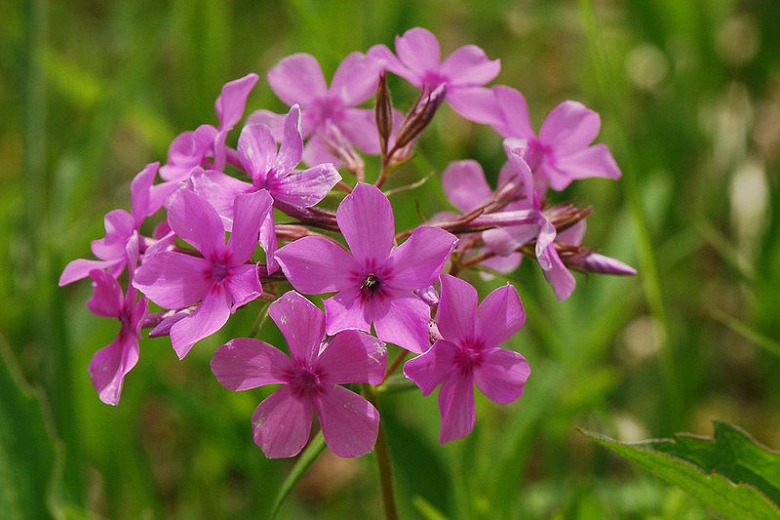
[[220, 191], [328, 274], [559, 277], [270, 119], [269, 242], [544, 248], [106, 298], [458, 411], [302, 324], [365, 217], [457, 313], [249, 211], [419, 50], [291, 149], [502, 375], [573, 235], [502, 264], [353, 357], [281, 423], [405, 323], [231, 102], [243, 285], [595, 161], [316, 151], [469, 66], [212, 313], [119, 226], [504, 241], [196, 222], [305, 188], [173, 280], [500, 316], [465, 185], [356, 79], [257, 151], [388, 60], [140, 196], [109, 366], [433, 367], [359, 126], [244, 363], [477, 104], [298, 79], [349, 423], [417, 262], [80, 268], [515, 121], [569, 128], [345, 311]]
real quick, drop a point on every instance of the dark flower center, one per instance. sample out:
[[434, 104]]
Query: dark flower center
[[370, 283]]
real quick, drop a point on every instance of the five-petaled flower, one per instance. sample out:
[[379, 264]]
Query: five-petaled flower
[[310, 379], [469, 353]]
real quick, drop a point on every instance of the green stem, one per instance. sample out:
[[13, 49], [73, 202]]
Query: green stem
[[383, 462]]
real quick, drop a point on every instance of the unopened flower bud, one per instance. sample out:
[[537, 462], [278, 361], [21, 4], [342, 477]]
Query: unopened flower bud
[[420, 115], [383, 110]]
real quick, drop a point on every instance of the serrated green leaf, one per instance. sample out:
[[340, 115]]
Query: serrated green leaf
[[729, 473]]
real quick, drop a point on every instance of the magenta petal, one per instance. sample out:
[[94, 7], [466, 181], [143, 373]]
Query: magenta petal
[[196, 221], [419, 50], [434, 366], [353, 357], [270, 119], [457, 313], [173, 280], [572, 235], [119, 226], [291, 149], [305, 188], [356, 79], [231, 102], [107, 298], [140, 193], [345, 311], [257, 151], [298, 79], [502, 264], [458, 411], [476, 104], [469, 66], [302, 324], [595, 161], [544, 244], [249, 212], [500, 316], [514, 110], [220, 191], [269, 242], [365, 217], [559, 277], [359, 126], [569, 127], [281, 423], [465, 185], [244, 363], [349, 422], [405, 323], [109, 366], [207, 319], [328, 274], [81, 267], [244, 286], [417, 262], [502, 375]]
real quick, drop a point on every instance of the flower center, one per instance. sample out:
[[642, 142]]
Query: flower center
[[370, 283], [468, 358], [219, 270], [305, 382]]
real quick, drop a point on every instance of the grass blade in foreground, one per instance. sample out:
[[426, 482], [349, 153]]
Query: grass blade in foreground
[[730, 473]]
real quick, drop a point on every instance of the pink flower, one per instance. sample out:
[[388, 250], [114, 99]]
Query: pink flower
[[222, 279], [469, 354], [329, 113], [376, 283], [310, 380], [119, 248], [464, 72], [561, 152], [110, 364]]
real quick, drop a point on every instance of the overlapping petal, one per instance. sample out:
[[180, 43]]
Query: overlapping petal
[[404, 323], [298, 79], [349, 422], [457, 309], [434, 366], [502, 375], [331, 271], [302, 324], [244, 363], [458, 411], [365, 218], [212, 313], [352, 356], [196, 222], [500, 316], [281, 423], [465, 184], [173, 280]]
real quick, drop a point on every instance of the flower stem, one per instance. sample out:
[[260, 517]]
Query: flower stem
[[383, 462]]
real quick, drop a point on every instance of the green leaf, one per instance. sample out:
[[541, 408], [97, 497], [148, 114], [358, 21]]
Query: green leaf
[[29, 458], [729, 473]]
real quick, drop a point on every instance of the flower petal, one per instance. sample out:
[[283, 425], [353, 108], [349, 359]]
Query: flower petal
[[356, 79], [232, 100], [302, 324], [502, 375], [558, 276], [417, 262], [595, 161], [365, 217], [196, 222], [465, 185], [469, 66], [476, 104], [405, 323], [457, 313], [109, 366], [107, 297], [345, 311], [349, 422], [173, 280], [244, 285], [419, 50], [291, 149], [298, 79], [281, 423], [257, 151], [515, 120], [328, 274], [352, 356], [434, 366], [359, 126], [457, 408], [305, 188], [569, 128], [500, 316], [80, 268], [140, 193], [249, 212], [244, 363], [212, 313], [220, 191]]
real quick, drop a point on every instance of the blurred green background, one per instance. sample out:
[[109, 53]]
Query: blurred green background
[[689, 94]]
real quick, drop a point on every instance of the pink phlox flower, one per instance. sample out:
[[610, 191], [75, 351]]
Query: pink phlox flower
[[220, 280], [111, 364], [310, 380], [270, 170], [562, 151], [329, 114], [375, 283], [192, 148], [119, 248], [468, 353], [464, 72]]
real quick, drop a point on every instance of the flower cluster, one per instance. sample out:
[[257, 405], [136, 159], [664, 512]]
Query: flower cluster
[[245, 223]]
